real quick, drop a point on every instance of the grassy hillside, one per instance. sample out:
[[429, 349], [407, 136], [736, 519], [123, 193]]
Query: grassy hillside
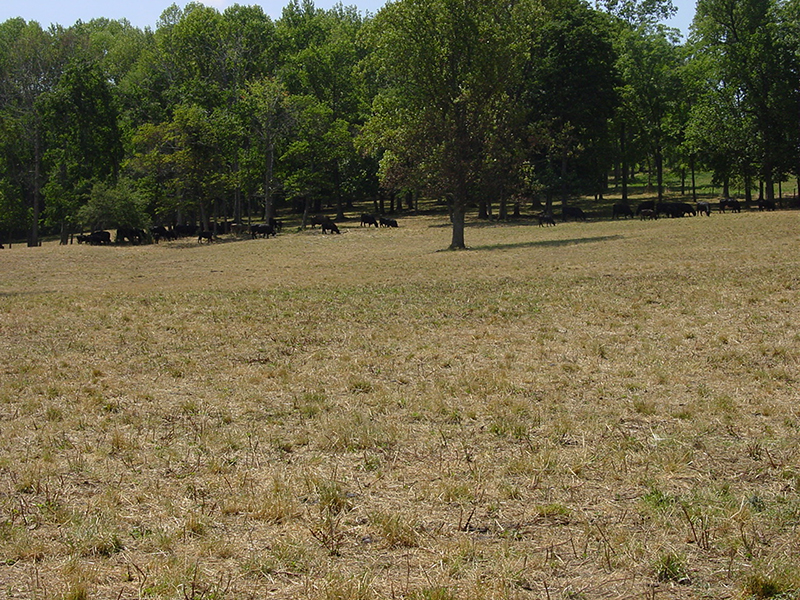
[[592, 410]]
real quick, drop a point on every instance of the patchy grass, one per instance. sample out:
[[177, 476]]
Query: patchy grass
[[592, 410]]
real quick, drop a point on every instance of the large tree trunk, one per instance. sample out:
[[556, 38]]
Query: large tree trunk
[[269, 209], [458, 217], [660, 173], [64, 233], [460, 166], [769, 182], [622, 151], [33, 235], [483, 210], [337, 178], [306, 208], [748, 188]]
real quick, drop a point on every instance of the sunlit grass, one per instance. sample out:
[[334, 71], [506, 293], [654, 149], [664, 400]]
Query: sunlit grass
[[580, 411]]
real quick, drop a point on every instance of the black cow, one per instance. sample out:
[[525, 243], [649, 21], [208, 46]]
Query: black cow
[[665, 208], [546, 218], [704, 207], [319, 220], [133, 234], [276, 224], [159, 231], [646, 205], [368, 219], [330, 226], [621, 210], [262, 229], [647, 213], [730, 203], [205, 235], [98, 238], [674, 209], [573, 212], [386, 222], [764, 204]]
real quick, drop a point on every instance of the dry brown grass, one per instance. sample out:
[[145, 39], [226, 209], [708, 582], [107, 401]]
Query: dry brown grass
[[598, 410]]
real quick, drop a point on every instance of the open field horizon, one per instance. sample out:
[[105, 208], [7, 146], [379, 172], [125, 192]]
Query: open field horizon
[[594, 410]]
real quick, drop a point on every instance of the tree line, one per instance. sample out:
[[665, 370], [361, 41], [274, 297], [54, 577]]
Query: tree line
[[479, 103]]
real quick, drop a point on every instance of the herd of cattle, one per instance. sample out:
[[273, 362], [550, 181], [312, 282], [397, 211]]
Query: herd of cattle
[[264, 230], [651, 209]]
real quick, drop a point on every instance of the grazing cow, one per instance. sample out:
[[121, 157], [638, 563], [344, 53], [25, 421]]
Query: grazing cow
[[276, 224], [368, 219], [159, 231], [330, 226], [573, 212], [647, 213], [674, 209], [386, 222], [546, 218], [704, 207], [133, 234], [621, 210], [205, 235], [665, 208], [764, 204], [319, 220], [262, 229], [730, 203], [98, 238], [646, 205]]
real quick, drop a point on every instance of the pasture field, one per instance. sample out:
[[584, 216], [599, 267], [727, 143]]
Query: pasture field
[[592, 410]]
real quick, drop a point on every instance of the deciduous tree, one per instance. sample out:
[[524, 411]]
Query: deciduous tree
[[442, 64]]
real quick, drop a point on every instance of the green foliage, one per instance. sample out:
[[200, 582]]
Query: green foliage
[[651, 91], [83, 138], [120, 205], [569, 95], [447, 66], [180, 162], [751, 50]]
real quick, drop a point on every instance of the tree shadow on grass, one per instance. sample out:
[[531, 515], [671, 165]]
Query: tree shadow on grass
[[549, 243]]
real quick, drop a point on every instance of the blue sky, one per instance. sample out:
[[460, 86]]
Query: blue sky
[[143, 13]]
